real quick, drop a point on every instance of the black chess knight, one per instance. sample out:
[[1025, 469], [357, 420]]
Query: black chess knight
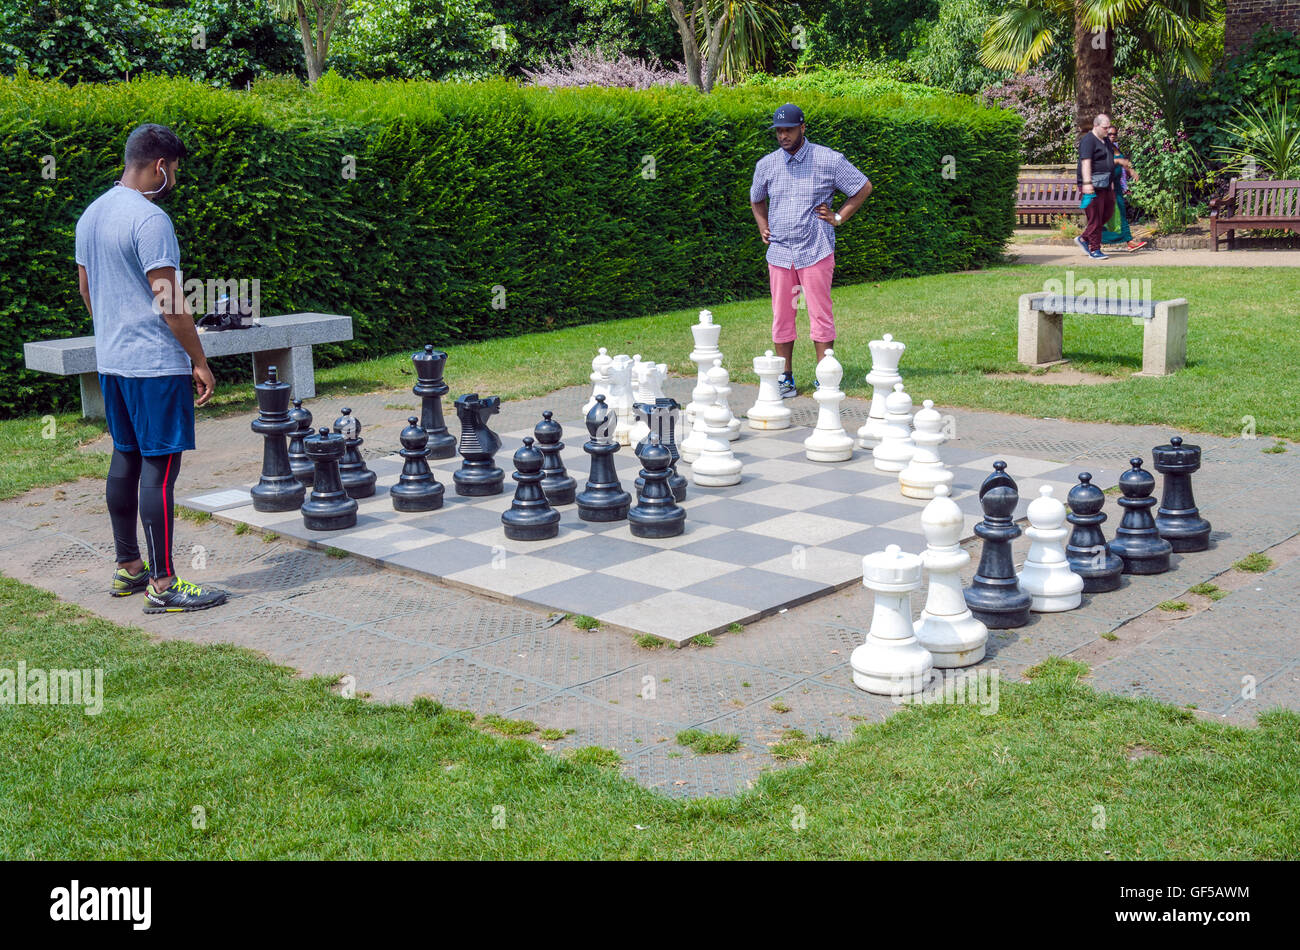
[[478, 474]]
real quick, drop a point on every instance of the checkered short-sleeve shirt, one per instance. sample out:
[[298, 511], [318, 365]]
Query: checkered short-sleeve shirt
[[794, 185]]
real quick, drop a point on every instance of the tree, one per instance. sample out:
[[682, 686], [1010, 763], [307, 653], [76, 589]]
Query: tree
[[1023, 33], [723, 37], [316, 22]]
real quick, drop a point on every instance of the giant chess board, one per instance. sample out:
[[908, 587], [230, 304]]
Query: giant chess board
[[791, 531]]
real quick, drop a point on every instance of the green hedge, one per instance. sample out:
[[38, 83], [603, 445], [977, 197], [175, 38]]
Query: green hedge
[[460, 188]]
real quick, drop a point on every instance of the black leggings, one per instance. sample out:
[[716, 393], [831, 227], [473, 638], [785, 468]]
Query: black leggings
[[143, 485]]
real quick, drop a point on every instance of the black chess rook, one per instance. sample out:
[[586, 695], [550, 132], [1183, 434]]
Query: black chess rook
[[656, 514], [559, 486], [277, 489], [603, 499], [358, 481], [1137, 541], [301, 466], [1086, 551], [530, 516], [330, 507], [416, 488], [1178, 520], [478, 474], [431, 387], [994, 595]]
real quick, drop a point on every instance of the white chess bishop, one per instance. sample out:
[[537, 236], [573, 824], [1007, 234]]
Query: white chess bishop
[[892, 661], [599, 379], [720, 380], [705, 352], [926, 471], [947, 628], [716, 465], [769, 410], [829, 442], [620, 396], [885, 354], [896, 446], [690, 447], [1046, 576]]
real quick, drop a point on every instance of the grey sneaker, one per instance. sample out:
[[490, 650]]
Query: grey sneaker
[[787, 388], [182, 597]]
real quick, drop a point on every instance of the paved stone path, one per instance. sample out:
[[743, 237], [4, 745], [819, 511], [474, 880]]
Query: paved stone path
[[400, 636], [1058, 255]]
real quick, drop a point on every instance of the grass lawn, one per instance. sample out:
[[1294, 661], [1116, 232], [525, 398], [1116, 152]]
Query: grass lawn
[[1242, 356], [283, 767]]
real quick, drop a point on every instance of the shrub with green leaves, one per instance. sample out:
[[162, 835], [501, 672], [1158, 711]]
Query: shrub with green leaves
[[454, 212]]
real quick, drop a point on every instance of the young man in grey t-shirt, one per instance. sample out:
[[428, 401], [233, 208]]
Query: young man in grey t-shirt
[[147, 351]]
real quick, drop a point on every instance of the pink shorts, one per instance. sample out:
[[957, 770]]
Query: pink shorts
[[815, 282]]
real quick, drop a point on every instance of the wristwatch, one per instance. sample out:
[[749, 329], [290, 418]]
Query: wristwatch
[[838, 219]]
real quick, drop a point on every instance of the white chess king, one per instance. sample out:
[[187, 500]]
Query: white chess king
[[947, 628], [1046, 576], [829, 442], [885, 354], [769, 410], [892, 661]]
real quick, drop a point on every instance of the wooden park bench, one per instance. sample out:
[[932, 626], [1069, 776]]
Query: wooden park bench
[[283, 341], [1164, 322], [1039, 200], [1254, 204]]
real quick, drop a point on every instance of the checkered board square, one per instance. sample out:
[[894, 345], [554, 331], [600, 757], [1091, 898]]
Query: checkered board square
[[791, 531]]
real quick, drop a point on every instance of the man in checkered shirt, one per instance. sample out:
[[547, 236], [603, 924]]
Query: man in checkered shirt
[[791, 194]]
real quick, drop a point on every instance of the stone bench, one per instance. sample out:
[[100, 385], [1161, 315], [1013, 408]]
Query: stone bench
[[1164, 333], [283, 341]]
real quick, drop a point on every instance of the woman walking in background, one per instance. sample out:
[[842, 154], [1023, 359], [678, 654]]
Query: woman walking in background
[[1123, 170]]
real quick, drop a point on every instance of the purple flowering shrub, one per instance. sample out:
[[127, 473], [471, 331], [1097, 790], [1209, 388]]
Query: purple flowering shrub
[[1048, 135]]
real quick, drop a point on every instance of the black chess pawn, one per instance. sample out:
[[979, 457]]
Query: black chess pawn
[[1086, 551], [1178, 520], [416, 488], [530, 517], [656, 514], [277, 489], [603, 499], [430, 387], [358, 481], [1136, 539], [994, 595], [661, 418], [302, 468], [478, 474], [329, 508], [559, 486]]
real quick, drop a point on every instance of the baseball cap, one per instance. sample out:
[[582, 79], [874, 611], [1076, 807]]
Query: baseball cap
[[788, 116]]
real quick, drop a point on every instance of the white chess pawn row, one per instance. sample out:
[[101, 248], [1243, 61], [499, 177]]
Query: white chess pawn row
[[625, 381]]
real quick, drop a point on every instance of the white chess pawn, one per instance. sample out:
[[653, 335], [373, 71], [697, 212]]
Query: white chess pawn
[[720, 380], [691, 446], [599, 379], [892, 661], [705, 352], [1046, 576], [926, 471], [769, 410], [620, 396], [896, 446], [647, 385], [716, 465], [947, 628], [829, 442], [885, 355]]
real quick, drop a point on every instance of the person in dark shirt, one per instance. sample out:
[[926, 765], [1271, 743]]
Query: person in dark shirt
[[1093, 174]]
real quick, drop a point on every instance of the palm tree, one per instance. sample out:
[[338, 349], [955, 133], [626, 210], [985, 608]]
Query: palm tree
[[1026, 30], [723, 38]]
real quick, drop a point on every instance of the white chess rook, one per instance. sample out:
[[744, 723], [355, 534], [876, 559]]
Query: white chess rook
[[926, 471], [620, 396], [896, 446], [599, 379], [769, 410], [829, 442], [705, 352], [892, 661], [690, 447], [720, 380], [717, 465], [947, 628], [1046, 576], [885, 355]]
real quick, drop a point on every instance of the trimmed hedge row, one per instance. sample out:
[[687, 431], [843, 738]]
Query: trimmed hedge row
[[461, 191]]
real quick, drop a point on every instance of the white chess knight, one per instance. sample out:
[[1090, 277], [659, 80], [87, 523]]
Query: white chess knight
[[716, 465], [829, 442], [620, 396], [885, 354], [896, 446], [647, 386], [1046, 576], [720, 380], [769, 410], [947, 628], [926, 471], [705, 352], [892, 661], [690, 447], [599, 379]]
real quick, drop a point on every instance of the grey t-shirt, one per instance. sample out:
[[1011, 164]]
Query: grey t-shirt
[[122, 236]]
